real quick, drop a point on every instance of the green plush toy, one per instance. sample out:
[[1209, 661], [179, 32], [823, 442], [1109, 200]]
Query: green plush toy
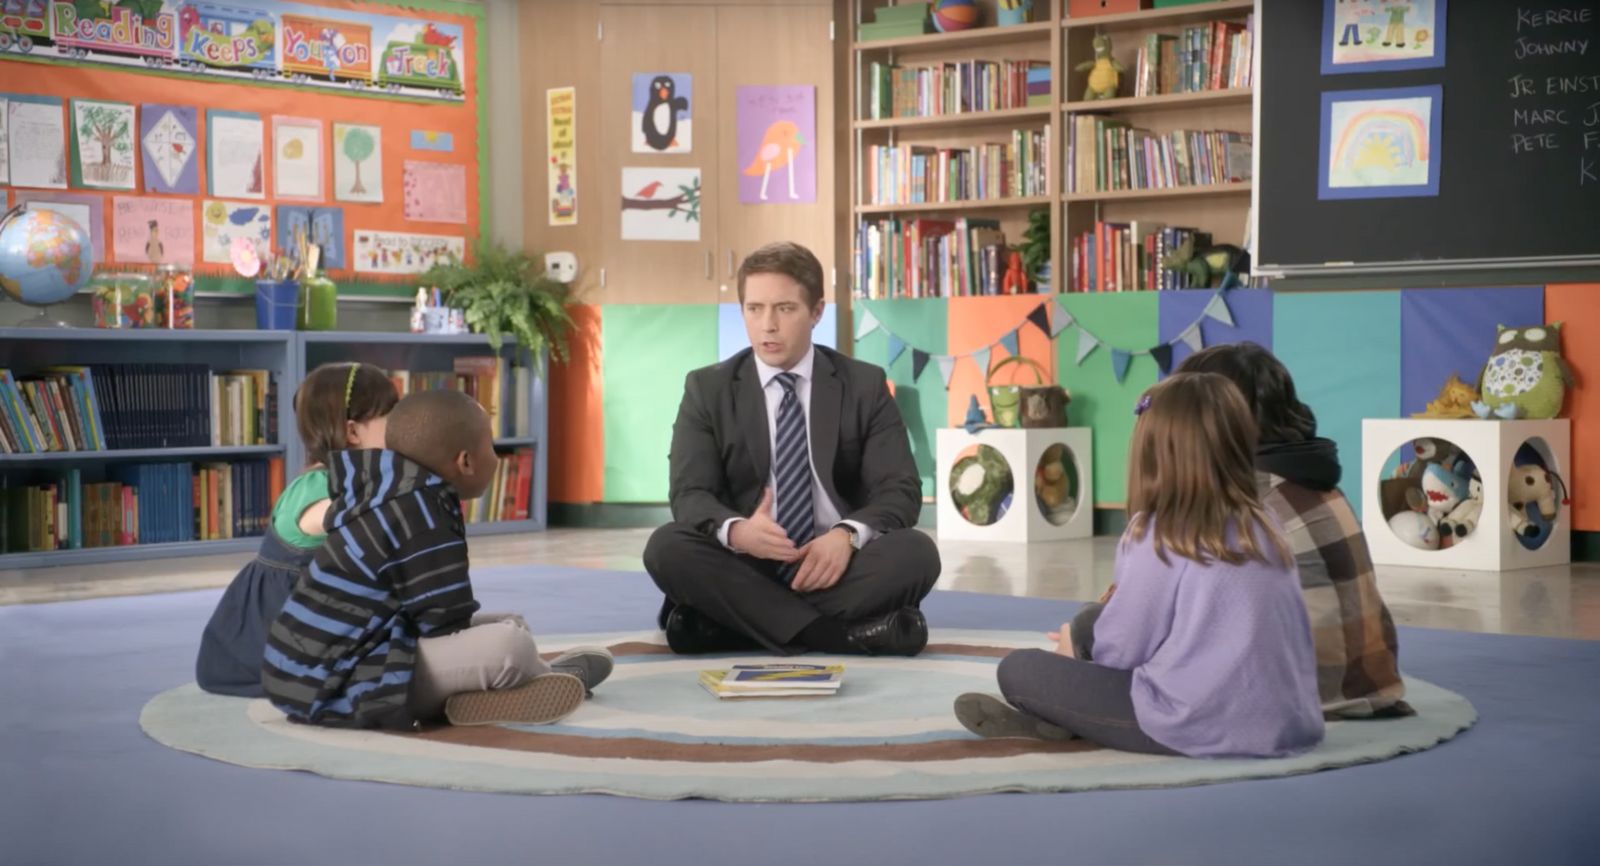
[[1105, 73], [1221, 266], [1525, 377], [980, 484]]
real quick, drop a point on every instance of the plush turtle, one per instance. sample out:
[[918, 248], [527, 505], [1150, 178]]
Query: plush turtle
[[1105, 73], [981, 485]]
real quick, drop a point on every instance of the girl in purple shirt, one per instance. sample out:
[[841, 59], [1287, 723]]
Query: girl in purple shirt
[[1204, 648]]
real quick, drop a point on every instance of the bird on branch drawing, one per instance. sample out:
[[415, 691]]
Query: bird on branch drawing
[[686, 202]]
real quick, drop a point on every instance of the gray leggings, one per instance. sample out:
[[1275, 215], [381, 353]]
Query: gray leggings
[[1093, 701]]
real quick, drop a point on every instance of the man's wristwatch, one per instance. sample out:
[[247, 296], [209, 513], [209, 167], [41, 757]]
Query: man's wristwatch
[[855, 537]]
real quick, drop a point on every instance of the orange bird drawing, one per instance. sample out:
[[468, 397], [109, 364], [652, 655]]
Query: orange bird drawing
[[779, 144], [649, 191]]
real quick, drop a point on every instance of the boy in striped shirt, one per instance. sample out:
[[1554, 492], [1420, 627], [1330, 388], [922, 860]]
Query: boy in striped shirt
[[382, 630]]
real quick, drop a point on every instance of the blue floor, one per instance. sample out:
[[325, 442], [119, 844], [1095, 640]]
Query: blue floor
[[80, 784]]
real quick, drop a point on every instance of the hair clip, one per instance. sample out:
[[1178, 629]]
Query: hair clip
[[1144, 403], [349, 387]]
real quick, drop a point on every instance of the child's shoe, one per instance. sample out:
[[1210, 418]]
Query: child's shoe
[[542, 700], [587, 663], [990, 716]]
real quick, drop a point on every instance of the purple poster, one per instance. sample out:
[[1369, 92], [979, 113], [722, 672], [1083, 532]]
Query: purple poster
[[777, 144], [168, 141]]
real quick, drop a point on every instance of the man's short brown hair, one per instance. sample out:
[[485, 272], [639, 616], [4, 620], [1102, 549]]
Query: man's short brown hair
[[789, 259]]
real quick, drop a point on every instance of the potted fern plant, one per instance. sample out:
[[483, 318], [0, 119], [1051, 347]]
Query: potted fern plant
[[505, 292]]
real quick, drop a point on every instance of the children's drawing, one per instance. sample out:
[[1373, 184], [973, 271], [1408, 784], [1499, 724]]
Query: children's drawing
[[661, 204], [171, 162], [777, 153], [223, 222], [1380, 143], [322, 226], [662, 121], [357, 163], [103, 144], [1382, 35]]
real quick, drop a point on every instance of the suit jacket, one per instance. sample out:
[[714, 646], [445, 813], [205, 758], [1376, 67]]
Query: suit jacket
[[721, 452]]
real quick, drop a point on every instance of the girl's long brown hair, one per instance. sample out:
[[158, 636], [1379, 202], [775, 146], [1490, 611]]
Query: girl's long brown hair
[[1191, 473], [334, 394]]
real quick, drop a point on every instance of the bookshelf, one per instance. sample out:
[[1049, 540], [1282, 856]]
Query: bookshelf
[[1061, 41], [1219, 209], [28, 351], [1036, 43], [286, 355]]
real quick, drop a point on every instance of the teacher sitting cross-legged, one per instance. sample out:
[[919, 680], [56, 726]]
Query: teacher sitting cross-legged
[[793, 491]]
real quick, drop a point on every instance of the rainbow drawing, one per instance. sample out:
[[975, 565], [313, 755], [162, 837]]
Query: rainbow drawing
[[1380, 147]]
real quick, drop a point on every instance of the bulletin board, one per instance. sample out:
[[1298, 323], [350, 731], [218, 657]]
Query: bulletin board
[[377, 104]]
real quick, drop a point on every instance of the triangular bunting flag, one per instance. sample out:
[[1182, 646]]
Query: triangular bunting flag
[[897, 347], [1086, 344], [1193, 339], [1060, 320], [1119, 363], [1040, 317], [947, 366], [1010, 342], [1163, 356], [1218, 309], [866, 324], [981, 358], [919, 362]]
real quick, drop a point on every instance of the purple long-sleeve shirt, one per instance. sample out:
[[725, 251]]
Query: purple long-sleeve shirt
[[1221, 654]]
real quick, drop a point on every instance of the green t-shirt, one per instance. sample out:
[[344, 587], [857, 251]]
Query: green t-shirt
[[302, 493]]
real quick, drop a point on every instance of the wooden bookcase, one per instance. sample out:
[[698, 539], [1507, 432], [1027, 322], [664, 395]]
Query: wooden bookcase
[[289, 355], [1063, 41]]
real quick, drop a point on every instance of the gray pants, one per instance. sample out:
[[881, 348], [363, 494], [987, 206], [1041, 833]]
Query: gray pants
[[496, 652], [1092, 701]]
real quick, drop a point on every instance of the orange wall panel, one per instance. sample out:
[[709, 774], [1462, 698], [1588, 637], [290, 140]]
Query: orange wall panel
[[977, 322], [577, 422], [1577, 308]]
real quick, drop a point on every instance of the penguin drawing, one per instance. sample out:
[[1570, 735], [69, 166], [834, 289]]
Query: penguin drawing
[[660, 123]]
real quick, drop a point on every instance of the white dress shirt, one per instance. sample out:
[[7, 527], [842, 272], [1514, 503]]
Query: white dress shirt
[[826, 515]]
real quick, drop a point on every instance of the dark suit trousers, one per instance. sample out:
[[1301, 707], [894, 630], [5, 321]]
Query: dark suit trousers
[[895, 570]]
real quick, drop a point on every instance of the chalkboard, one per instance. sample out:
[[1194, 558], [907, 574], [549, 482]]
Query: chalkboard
[[1516, 138]]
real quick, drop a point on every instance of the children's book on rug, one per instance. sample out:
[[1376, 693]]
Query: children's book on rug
[[773, 681]]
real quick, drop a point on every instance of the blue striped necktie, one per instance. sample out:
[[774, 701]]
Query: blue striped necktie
[[792, 466]]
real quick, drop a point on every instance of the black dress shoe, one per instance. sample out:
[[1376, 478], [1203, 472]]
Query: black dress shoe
[[902, 632], [690, 632]]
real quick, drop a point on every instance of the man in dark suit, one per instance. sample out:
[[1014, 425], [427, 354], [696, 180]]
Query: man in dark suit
[[793, 490]]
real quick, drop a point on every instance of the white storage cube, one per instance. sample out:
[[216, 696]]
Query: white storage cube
[[1026, 519], [1491, 446]]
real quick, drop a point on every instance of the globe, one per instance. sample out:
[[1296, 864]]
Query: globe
[[44, 256]]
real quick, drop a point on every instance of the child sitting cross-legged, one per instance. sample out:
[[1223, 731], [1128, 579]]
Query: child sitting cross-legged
[[1204, 649], [382, 630]]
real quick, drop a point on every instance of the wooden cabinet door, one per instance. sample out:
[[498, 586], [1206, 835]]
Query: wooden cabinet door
[[788, 45], [651, 40]]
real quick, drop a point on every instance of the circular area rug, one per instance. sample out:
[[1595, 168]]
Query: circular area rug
[[652, 732]]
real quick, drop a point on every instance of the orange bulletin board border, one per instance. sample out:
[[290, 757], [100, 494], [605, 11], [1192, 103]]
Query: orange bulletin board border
[[396, 115]]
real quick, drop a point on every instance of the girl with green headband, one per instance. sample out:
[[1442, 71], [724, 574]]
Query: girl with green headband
[[338, 406]]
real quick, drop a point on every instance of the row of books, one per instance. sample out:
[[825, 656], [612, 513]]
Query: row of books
[[895, 22], [955, 87], [483, 378], [773, 681], [930, 258], [1107, 155], [145, 503], [1127, 257], [508, 496], [915, 174], [1214, 56], [117, 406]]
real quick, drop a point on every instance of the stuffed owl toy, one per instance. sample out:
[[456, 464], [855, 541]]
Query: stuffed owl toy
[[1526, 377]]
